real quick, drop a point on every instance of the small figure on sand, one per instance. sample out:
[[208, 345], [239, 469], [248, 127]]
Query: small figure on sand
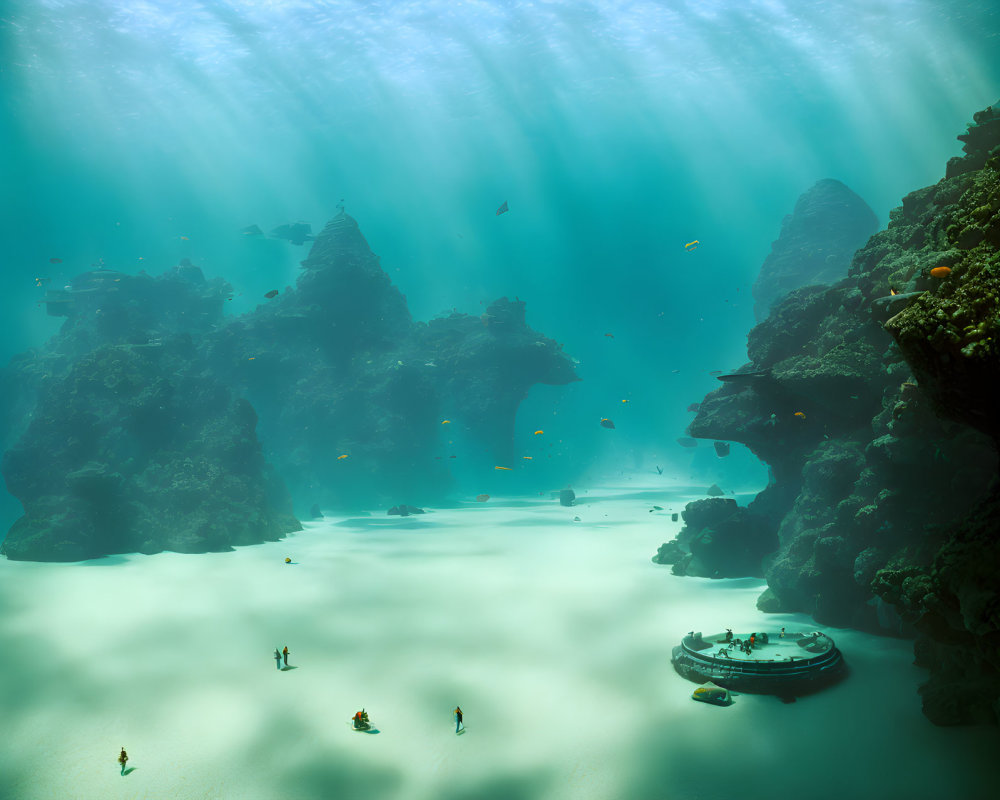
[[285, 654], [459, 725], [361, 721], [123, 759], [277, 658]]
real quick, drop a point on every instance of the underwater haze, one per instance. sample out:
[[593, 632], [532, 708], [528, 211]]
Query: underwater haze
[[616, 131], [623, 168]]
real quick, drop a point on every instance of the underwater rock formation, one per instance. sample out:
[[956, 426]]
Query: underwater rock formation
[[876, 406], [719, 540], [131, 445], [152, 422], [829, 222], [351, 392]]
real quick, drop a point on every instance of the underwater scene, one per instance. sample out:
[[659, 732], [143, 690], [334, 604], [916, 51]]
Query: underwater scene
[[500, 399]]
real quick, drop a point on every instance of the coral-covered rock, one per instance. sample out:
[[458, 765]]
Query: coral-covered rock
[[719, 540], [144, 407], [880, 445], [130, 452]]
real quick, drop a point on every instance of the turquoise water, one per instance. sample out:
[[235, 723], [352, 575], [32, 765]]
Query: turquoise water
[[135, 134]]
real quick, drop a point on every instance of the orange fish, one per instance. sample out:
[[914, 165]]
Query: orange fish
[[940, 272], [251, 358], [538, 433], [340, 458], [482, 498], [506, 468], [799, 414]]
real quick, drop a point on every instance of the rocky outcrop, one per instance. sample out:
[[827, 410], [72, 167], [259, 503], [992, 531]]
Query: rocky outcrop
[[875, 404], [135, 429], [829, 222], [719, 540], [352, 392], [132, 446]]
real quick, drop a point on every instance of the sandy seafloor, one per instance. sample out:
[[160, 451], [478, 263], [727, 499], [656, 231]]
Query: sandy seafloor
[[553, 635]]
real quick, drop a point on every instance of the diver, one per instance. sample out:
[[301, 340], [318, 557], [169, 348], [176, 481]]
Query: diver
[[123, 759], [459, 725], [361, 721], [277, 658], [285, 654]]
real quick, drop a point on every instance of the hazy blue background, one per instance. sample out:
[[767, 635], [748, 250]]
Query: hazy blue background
[[617, 131]]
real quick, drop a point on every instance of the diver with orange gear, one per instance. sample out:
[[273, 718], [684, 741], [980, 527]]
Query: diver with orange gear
[[361, 721]]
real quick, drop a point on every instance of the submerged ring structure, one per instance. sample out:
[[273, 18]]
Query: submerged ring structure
[[782, 664]]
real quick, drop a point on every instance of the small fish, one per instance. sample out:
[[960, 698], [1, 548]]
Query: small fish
[[607, 423], [342, 457], [506, 468], [539, 433], [940, 272], [528, 458], [657, 508], [503, 208], [482, 498], [272, 293], [446, 422], [687, 441], [185, 239], [252, 358], [42, 281], [799, 414], [610, 335], [625, 401], [892, 292], [55, 261], [692, 245], [659, 470], [715, 372], [452, 456]]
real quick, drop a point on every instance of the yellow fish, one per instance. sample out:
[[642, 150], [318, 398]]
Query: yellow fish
[[539, 432], [185, 239], [692, 245], [342, 457], [799, 414], [506, 468], [446, 422], [527, 458]]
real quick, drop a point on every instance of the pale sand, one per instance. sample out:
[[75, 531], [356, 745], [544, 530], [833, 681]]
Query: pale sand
[[553, 635]]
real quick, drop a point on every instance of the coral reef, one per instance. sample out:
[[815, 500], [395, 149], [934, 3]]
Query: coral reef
[[153, 422], [875, 403]]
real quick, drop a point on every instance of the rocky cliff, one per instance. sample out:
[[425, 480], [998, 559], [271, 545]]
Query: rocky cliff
[[135, 429], [875, 403]]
